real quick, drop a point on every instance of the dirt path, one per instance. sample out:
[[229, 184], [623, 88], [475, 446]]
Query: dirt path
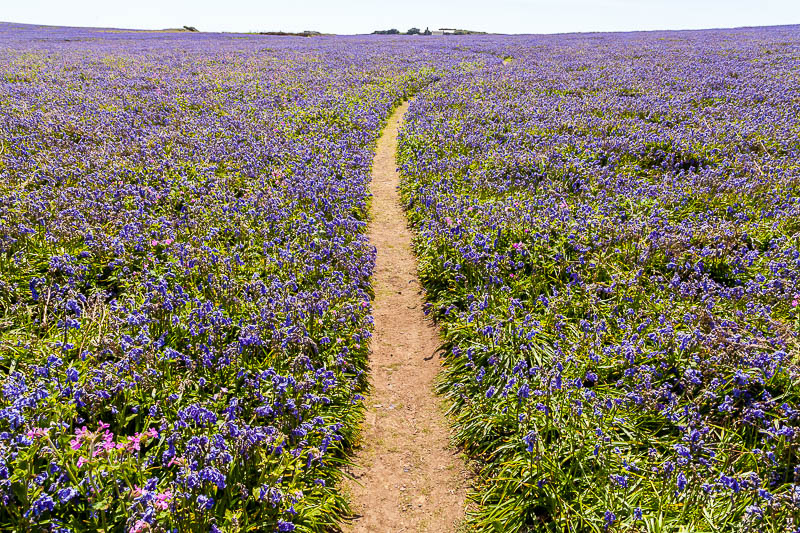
[[408, 478]]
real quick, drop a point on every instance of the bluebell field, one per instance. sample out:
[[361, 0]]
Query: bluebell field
[[607, 228]]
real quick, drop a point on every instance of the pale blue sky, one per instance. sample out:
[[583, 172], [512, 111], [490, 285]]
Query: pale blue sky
[[363, 16]]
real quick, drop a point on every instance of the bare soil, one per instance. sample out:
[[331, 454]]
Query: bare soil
[[408, 477]]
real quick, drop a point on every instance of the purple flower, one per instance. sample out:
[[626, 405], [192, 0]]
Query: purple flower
[[42, 504], [530, 440], [65, 495], [680, 481], [72, 375], [205, 502]]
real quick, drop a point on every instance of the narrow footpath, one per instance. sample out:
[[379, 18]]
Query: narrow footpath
[[407, 477]]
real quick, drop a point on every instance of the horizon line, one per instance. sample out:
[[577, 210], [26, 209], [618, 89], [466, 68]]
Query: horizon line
[[181, 29]]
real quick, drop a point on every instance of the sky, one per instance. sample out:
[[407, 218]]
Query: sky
[[364, 16]]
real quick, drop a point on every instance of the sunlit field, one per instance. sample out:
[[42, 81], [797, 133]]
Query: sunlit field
[[608, 235]]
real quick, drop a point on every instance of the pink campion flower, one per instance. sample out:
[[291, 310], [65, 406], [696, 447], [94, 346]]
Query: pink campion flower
[[134, 443], [796, 300], [136, 492], [168, 242], [108, 439], [154, 243], [82, 461], [80, 436], [36, 433], [163, 499], [106, 446], [564, 205], [139, 527]]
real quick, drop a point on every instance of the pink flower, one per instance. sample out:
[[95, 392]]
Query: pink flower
[[134, 443], [82, 461], [796, 301], [80, 436], [36, 433], [106, 446], [154, 243], [108, 440], [163, 499], [139, 527], [168, 242]]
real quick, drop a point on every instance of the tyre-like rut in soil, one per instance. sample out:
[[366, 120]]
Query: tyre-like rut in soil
[[407, 477]]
